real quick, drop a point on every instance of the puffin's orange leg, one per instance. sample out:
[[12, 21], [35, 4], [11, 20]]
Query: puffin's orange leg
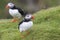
[[14, 20], [27, 32], [22, 36]]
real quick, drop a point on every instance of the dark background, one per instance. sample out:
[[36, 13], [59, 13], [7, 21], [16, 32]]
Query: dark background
[[27, 5]]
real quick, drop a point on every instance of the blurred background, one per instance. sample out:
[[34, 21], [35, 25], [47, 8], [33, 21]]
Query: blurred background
[[31, 6]]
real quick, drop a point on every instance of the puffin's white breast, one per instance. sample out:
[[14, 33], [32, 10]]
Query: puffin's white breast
[[25, 26], [14, 13]]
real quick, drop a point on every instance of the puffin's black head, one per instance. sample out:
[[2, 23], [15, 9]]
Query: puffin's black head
[[10, 5]]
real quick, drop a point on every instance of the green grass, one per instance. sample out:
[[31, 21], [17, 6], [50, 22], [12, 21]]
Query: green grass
[[46, 27]]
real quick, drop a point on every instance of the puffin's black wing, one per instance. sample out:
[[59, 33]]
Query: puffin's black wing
[[24, 20], [20, 23], [21, 11]]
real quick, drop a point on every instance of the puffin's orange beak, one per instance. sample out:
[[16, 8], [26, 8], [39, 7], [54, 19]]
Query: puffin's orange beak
[[7, 6], [32, 17]]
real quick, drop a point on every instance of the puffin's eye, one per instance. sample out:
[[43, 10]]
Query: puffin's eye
[[27, 16], [10, 4]]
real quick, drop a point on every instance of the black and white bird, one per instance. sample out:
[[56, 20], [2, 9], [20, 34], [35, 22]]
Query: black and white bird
[[15, 12], [26, 24]]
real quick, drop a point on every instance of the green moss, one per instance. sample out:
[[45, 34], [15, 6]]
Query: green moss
[[46, 27]]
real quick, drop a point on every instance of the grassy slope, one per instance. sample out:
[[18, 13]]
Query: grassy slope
[[46, 27]]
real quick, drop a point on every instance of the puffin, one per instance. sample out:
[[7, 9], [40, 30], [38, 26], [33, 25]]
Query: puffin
[[15, 12], [26, 24]]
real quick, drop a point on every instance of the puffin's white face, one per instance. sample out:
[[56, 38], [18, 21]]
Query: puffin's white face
[[29, 16], [10, 5]]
